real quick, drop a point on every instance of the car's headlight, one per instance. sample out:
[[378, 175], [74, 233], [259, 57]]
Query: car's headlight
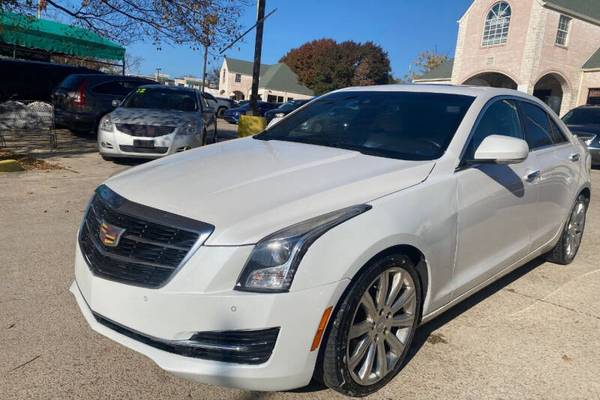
[[273, 262], [106, 123], [189, 128]]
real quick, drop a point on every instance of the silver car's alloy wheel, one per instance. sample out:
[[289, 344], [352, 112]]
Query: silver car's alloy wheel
[[575, 229], [381, 326]]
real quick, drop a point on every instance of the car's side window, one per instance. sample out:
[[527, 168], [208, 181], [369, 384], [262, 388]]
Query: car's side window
[[501, 118], [537, 126], [557, 134]]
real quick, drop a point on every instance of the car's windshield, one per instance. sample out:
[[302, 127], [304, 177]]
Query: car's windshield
[[583, 116], [161, 99], [404, 125]]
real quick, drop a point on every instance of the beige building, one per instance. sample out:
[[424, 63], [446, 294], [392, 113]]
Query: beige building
[[277, 83], [548, 48]]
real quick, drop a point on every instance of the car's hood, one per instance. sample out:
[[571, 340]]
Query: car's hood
[[148, 116], [249, 188]]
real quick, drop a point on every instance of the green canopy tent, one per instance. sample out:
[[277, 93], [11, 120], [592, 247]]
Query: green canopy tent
[[41, 35]]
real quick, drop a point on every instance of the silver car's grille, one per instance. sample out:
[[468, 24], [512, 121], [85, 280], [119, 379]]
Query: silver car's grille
[[135, 244], [139, 130]]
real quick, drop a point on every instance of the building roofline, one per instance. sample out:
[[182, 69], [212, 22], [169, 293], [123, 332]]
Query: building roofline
[[572, 13]]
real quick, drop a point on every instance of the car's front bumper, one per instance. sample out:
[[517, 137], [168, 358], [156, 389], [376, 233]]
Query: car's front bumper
[[232, 119], [595, 153], [119, 144], [175, 313]]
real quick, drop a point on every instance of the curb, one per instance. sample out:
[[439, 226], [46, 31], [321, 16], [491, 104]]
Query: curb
[[10, 166]]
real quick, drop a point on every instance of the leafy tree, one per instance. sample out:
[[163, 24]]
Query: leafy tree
[[187, 22], [425, 62], [324, 65]]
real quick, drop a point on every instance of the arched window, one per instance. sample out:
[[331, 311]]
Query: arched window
[[497, 22]]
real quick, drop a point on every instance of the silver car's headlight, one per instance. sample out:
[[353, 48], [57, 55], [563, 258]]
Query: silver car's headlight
[[273, 262], [189, 128], [106, 123]]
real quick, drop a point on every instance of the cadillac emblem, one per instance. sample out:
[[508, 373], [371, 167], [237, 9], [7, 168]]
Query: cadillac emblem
[[110, 234]]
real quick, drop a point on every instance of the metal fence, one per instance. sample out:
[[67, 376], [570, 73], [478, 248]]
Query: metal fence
[[23, 117]]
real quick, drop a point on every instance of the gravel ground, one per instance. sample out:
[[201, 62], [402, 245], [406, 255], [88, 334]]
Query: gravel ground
[[532, 335]]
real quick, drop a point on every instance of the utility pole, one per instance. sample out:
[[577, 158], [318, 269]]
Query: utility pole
[[204, 70], [260, 18], [158, 75]]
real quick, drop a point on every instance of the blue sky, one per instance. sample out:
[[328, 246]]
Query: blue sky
[[402, 27]]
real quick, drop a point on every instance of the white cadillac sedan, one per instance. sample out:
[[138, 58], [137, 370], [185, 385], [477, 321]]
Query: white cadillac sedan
[[318, 247]]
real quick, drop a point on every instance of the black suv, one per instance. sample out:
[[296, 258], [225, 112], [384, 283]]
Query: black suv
[[81, 100], [584, 122]]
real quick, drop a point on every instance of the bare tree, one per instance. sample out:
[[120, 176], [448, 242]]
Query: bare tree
[[196, 23], [425, 62]]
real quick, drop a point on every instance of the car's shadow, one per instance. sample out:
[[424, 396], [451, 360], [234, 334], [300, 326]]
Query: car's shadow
[[425, 332]]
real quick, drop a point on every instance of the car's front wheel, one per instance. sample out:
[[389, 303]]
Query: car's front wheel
[[568, 245], [372, 328]]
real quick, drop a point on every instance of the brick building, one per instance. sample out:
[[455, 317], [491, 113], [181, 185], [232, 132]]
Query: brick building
[[548, 48]]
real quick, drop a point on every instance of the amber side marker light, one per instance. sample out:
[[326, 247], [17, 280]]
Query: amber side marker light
[[321, 329]]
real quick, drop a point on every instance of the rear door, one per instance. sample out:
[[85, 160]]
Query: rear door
[[497, 203], [558, 168]]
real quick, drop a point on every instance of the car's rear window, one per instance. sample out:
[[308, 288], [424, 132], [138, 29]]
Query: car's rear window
[[403, 125], [70, 82]]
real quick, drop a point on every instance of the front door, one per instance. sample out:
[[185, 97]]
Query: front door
[[558, 166], [497, 204]]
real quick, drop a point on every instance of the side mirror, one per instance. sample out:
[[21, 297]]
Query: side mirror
[[274, 121], [116, 103], [500, 149]]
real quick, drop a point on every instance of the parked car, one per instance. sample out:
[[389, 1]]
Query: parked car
[[319, 248], [284, 109], [233, 114], [33, 80], [81, 100], [584, 122], [220, 104], [154, 121]]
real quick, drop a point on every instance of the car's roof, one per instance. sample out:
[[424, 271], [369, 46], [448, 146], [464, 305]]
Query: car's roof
[[474, 91]]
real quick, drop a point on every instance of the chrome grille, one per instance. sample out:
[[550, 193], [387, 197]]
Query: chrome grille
[[139, 130], [150, 249]]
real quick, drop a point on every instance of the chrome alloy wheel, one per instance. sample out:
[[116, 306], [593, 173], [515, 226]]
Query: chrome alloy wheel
[[575, 229], [381, 326]]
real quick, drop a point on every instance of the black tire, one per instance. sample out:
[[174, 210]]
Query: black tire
[[220, 111], [562, 253], [332, 369], [107, 158], [204, 137], [215, 133]]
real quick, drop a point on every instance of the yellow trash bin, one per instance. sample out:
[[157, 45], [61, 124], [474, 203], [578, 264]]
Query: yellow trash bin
[[250, 125]]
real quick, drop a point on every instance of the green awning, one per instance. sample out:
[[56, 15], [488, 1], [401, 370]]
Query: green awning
[[55, 37]]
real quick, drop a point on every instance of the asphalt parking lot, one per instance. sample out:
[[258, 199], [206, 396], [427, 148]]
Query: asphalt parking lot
[[532, 335]]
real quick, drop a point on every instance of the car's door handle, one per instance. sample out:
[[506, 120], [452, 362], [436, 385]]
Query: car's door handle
[[575, 157], [532, 176]]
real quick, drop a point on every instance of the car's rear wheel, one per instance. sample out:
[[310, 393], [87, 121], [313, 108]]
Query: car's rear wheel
[[220, 111], [372, 328], [568, 245]]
